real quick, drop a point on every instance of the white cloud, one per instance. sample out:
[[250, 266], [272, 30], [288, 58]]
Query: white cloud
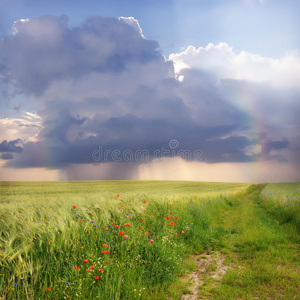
[[134, 23], [31, 116], [16, 24], [222, 61], [26, 128]]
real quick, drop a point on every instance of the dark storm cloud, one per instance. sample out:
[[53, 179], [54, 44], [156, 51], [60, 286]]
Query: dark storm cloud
[[45, 49], [57, 128], [12, 146], [268, 146], [6, 156], [231, 149], [127, 138]]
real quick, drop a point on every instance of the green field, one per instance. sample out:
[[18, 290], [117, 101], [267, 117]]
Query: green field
[[139, 240]]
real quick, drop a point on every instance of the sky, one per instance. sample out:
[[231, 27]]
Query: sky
[[146, 89]]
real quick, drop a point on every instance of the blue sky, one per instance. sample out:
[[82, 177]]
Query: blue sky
[[207, 90], [266, 27]]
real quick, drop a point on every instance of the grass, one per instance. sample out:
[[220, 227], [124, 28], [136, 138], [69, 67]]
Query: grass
[[43, 240], [262, 254], [282, 202]]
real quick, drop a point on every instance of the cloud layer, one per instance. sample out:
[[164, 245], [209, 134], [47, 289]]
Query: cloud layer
[[103, 84]]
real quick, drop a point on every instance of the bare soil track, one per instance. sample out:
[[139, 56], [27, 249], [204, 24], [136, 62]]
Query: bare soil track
[[211, 265]]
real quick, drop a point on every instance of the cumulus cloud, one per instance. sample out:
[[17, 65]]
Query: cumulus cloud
[[265, 89], [25, 127], [226, 64], [103, 85], [45, 50]]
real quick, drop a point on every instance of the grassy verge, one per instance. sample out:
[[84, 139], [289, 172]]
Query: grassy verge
[[281, 201], [262, 255]]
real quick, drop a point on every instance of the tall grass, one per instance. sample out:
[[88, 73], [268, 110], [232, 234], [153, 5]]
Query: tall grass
[[282, 202], [52, 237]]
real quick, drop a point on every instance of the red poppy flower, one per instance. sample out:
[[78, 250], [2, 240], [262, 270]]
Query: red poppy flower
[[107, 262], [101, 270], [176, 218], [89, 213], [95, 236], [175, 233], [48, 289], [182, 231], [127, 224], [117, 226], [168, 218], [106, 228], [74, 206], [92, 267], [154, 214], [140, 227], [144, 202], [170, 212], [111, 224], [122, 205], [76, 268], [125, 236], [96, 277], [87, 270], [105, 252], [142, 220], [151, 241], [85, 260], [81, 247], [105, 245], [121, 232]]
